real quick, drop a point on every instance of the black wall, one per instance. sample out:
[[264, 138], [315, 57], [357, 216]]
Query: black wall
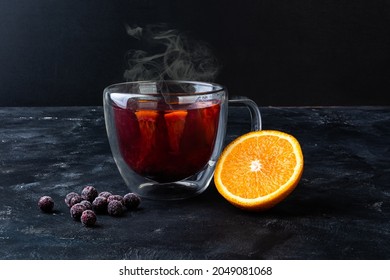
[[287, 52]]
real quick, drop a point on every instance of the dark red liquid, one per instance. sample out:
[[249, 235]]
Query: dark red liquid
[[167, 145]]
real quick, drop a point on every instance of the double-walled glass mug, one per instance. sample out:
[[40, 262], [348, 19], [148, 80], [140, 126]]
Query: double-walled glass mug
[[166, 136]]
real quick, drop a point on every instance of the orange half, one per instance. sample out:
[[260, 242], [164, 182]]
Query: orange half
[[259, 169]]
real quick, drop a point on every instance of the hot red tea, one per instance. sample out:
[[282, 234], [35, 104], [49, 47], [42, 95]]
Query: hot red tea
[[167, 145]]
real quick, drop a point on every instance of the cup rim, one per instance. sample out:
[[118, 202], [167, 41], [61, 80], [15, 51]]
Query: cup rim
[[218, 87]]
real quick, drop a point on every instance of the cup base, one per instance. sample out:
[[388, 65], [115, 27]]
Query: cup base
[[169, 191]]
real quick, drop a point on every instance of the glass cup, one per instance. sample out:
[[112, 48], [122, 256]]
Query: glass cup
[[166, 136]]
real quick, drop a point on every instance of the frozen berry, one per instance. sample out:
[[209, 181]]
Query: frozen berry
[[88, 218], [76, 211], [69, 196], [75, 199], [115, 197], [99, 205], [87, 204], [115, 208], [89, 193], [46, 203], [105, 194], [131, 201]]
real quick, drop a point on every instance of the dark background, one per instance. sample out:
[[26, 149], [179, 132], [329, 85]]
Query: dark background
[[280, 53]]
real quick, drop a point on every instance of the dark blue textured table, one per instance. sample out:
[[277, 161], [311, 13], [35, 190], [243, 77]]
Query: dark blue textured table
[[339, 210]]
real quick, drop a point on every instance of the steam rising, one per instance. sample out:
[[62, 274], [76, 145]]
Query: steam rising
[[168, 55]]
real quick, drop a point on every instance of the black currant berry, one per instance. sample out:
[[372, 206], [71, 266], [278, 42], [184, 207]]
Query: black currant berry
[[87, 204], [46, 204], [99, 205], [105, 194], [131, 201], [89, 193], [115, 208], [88, 218], [116, 197], [76, 211], [69, 196]]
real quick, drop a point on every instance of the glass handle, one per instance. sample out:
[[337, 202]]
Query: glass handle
[[253, 109]]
